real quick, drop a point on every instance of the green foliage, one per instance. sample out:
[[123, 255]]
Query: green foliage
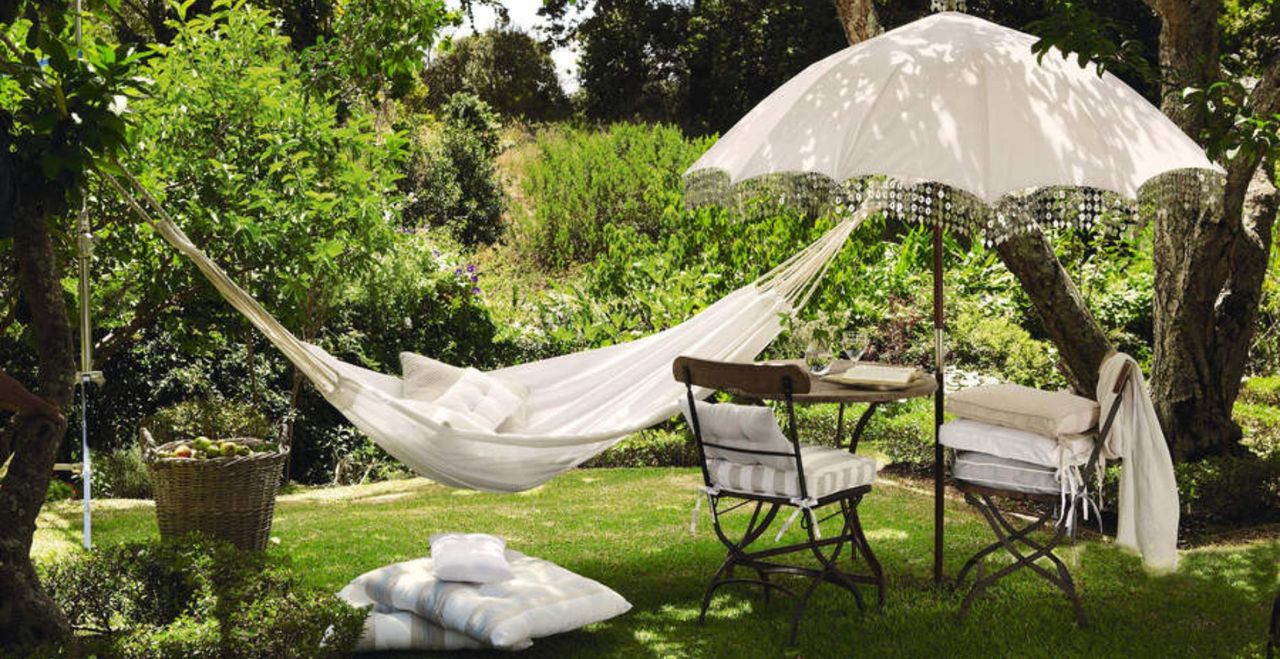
[[375, 47], [122, 474], [657, 447], [677, 62], [904, 433], [506, 68], [214, 418], [1230, 490], [199, 598], [585, 181], [58, 491], [260, 174], [451, 179], [997, 346]]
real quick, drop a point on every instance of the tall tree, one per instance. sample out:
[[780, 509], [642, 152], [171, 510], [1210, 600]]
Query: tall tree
[[58, 116]]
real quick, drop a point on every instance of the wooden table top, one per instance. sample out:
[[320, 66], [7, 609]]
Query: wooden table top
[[821, 391]]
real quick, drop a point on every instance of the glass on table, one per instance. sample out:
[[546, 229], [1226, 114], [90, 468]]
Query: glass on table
[[855, 344], [817, 357]]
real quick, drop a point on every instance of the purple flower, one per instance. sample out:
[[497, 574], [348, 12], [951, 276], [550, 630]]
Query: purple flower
[[435, 252], [471, 268], [475, 278], [476, 290], [458, 272]]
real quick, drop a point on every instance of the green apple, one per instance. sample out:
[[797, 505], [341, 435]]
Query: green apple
[[228, 449]]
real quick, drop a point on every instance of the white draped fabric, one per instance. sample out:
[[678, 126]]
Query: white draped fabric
[[577, 406], [1148, 514]]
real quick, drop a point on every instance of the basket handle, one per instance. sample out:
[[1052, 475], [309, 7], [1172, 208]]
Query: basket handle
[[149, 447]]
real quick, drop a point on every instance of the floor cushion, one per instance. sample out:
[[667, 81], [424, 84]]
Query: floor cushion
[[1004, 474], [968, 435], [540, 600], [1049, 413], [827, 470]]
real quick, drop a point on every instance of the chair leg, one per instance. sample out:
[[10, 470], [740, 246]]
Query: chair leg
[[863, 547], [1007, 535], [724, 575]]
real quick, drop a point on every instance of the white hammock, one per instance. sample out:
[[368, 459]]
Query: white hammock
[[578, 405]]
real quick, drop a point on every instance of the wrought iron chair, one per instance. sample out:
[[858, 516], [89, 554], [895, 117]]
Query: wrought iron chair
[[1009, 535], [835, 478]]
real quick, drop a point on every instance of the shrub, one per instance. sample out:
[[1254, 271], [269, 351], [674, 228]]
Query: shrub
[[996, 345], [656, 447], [904, 433], [1230, 490], [198, 598], [451, 180], [211, 417], [58, 491], [122, 474], [506, 68]]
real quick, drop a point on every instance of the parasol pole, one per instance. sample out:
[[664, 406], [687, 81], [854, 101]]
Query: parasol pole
[[939, 326]]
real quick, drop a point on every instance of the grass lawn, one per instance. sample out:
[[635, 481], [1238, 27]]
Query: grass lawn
[[629, 528]]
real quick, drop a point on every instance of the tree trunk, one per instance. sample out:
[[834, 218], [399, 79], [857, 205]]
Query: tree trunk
[[1082, 345], [1209, 262], [858, 18], [27, 614]]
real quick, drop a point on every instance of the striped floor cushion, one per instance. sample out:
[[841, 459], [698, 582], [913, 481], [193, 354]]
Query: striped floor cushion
[[542, 599], [1004, 474], [826, 471]]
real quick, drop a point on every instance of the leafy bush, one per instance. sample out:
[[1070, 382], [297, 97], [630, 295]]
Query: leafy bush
[[656, 447], [585, 181], [904, 433], [58, 491], [506, 68], [1231, 490], [122, 474], [198, 598], [995, 345], [451, 180], [212, 417]]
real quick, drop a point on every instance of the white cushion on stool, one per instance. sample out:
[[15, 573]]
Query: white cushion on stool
[[1004, 474], [967, 435]]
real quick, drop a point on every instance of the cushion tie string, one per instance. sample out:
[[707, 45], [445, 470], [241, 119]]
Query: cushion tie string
[[802, 505], [713, 491]]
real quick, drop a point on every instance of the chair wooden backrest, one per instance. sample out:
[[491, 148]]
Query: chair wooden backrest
[[751, 380]]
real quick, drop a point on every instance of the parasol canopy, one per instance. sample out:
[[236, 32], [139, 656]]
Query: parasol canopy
[[965, 105]]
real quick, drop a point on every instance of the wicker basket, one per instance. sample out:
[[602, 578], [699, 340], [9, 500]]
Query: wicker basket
[[230, 498]]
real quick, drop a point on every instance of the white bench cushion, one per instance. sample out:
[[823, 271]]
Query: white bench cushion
[[1049, 413], [1004, 474], [826, 471], [968, 435], [752, 427]]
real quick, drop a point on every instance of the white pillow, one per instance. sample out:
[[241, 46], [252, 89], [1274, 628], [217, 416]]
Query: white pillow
[[542, 599], [469, 557], [485, 400], [746, 426], [424, 378], [1049, 413], [386, 629]]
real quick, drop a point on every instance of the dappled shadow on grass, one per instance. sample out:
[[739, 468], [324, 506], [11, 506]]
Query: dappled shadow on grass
[[629, 529]]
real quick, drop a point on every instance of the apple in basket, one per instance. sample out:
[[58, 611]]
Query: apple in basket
[[182, 451]]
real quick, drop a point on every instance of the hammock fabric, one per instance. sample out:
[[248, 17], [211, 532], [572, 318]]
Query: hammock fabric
[[577, 406]]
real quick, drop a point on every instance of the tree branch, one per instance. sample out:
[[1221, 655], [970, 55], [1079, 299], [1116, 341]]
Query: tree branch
[[859, 20]]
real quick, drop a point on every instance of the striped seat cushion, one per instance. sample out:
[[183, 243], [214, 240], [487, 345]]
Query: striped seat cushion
[[1004, 474], [826, 471]]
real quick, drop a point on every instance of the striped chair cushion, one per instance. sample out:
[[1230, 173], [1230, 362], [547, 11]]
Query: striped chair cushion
[[826, 471]]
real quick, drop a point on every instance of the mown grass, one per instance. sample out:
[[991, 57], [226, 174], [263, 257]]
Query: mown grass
[[629, 528]]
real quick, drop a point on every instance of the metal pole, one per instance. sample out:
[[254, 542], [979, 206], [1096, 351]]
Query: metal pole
[[939, 327]]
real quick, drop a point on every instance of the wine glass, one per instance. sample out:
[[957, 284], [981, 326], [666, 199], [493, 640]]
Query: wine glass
[[855, 344], [817, 356]]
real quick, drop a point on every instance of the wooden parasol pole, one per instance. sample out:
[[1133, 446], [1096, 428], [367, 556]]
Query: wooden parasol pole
[[939, 326]]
